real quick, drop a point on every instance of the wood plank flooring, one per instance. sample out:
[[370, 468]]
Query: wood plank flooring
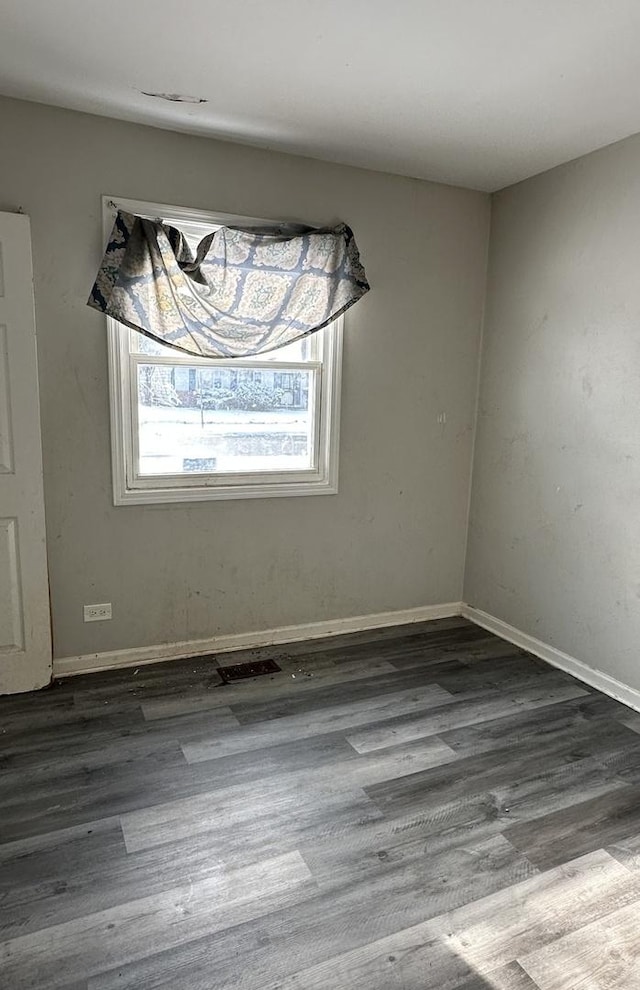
[[416, 808]]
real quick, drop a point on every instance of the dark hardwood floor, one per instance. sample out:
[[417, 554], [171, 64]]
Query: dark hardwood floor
[[412, 808]]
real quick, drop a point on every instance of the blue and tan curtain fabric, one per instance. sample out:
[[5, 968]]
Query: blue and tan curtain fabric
[[242, 292]]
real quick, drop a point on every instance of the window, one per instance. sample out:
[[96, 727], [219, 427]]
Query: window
[[186, 428]]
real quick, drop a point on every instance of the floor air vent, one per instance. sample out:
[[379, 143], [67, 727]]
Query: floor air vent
[[237, 671]]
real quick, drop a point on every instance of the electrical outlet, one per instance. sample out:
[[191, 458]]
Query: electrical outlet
[[97, 613]]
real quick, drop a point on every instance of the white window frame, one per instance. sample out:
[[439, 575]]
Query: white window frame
[[129, 488]]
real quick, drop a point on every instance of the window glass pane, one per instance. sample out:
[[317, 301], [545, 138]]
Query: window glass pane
[[145, 345], [307, 349], [221, 420]]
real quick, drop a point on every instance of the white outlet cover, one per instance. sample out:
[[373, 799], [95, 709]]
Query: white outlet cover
[[97, 613]]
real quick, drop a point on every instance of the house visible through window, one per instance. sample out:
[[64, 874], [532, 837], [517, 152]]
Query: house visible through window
[[185, 428]]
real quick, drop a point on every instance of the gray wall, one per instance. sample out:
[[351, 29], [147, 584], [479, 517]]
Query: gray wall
[[554, 546], [394, 537]]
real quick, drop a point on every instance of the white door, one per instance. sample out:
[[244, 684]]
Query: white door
[[25, 632]]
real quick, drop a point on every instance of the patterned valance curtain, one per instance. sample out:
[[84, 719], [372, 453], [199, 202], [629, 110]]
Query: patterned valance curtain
[[243, 291]]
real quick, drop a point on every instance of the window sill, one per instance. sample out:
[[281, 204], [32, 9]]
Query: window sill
[[155, 496]]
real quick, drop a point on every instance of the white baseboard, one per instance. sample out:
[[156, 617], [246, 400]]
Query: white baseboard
[[589, 675], [138, 656], [141, 655]]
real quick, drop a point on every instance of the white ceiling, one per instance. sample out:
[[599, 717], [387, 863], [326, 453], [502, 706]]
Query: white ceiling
[[478, 93]]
